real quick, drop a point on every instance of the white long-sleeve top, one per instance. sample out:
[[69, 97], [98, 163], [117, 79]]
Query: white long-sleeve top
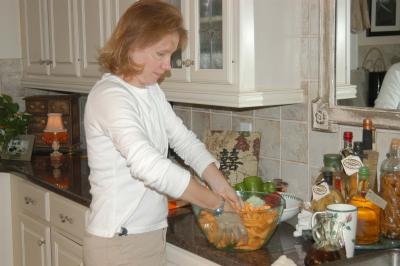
[[128, 130], [389, 95]]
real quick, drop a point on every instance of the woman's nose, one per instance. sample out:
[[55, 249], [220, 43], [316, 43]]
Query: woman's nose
[[167, 64]]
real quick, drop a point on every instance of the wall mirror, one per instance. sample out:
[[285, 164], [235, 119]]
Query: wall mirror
[[327, 114], [367, 45]]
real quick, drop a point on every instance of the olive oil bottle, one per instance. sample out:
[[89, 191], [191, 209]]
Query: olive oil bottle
[[368, 215]]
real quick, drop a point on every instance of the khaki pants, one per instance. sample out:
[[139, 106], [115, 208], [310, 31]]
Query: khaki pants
[[147, 249]]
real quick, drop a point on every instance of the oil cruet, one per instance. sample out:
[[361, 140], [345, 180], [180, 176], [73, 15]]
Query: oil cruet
[[328, 239]]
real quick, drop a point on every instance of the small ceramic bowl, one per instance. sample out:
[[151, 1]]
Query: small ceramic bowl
[[292, 206]]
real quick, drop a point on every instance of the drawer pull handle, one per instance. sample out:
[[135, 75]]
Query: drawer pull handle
[[29, 200], [41, 242], [188, 62], [65, 218]]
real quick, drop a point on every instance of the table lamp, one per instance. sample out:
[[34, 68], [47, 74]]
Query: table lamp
[[54, 134]]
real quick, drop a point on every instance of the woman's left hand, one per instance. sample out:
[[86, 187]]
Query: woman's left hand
[[219, 184]]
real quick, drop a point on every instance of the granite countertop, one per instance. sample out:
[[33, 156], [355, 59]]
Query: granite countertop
[[71, 181]]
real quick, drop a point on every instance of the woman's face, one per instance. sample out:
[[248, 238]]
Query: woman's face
[[155, 59]]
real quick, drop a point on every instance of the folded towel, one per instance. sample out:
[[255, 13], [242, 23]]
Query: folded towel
[[359, 15]]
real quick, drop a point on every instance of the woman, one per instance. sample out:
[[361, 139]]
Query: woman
[[129, 125], [389, 94]]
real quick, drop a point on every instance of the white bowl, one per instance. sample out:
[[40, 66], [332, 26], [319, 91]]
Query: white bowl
[[292, 206]]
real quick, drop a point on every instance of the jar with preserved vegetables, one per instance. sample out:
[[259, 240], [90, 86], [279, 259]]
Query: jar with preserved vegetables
[[390, 191]]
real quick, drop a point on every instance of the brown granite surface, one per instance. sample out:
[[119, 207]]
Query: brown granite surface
[[71, 181]]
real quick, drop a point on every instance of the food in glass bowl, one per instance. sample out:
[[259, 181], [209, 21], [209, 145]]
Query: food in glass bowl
[[260, 217]]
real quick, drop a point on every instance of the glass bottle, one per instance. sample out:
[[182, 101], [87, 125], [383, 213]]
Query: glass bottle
[[367, 134], [390, 191], [334, 196], [333, 161], [347, 144], [368, 214], [353, 179]]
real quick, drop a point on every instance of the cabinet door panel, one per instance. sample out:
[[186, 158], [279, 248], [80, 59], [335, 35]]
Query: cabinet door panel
[[118, 9], [63, 37], [34, 36], [180, 70], [211, 41], [35, 242], [65, 251], [92, 26]]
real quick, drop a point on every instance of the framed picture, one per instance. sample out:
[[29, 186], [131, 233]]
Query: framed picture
[[385, 17], [19, 148]]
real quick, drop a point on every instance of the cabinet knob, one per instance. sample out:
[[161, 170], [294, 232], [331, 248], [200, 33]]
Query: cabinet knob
[[29, 200], [65, 218], [42, 62], [41, 242], [188, 62], [48, 62]]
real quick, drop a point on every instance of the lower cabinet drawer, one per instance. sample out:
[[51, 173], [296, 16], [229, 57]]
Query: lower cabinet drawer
[[68, 216], [33, 200]]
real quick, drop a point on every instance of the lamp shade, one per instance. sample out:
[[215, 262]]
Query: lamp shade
[[54, 123]]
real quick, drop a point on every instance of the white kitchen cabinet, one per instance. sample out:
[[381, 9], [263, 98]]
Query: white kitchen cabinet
[[6, 224], [60, 42], [241, 53], [50, 37], [49, 229], [65, 251], [180, 257], [93, 30], [34, 241]]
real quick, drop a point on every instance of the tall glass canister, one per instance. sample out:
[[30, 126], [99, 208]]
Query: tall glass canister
[[390, 191]]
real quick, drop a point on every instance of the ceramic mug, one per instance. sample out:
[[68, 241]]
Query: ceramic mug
[[344, 218]]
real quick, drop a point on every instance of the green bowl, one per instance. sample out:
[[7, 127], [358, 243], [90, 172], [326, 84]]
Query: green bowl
[[260, 224]]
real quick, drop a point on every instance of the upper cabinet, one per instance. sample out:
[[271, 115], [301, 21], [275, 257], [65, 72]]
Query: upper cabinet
[[241, 53], [49, 37]]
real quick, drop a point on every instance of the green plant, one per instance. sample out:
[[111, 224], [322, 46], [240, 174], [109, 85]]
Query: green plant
[[12, 122]]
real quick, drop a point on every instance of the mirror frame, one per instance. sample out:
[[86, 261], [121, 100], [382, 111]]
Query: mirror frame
[[326, 114]]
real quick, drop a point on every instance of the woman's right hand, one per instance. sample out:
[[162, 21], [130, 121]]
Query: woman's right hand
[[230, 226]]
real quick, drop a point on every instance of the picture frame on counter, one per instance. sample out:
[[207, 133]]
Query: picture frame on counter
[[19, 148]]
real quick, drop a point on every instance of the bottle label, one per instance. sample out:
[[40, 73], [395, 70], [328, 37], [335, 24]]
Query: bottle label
[[351, 164], [320, 190], [376, 199]]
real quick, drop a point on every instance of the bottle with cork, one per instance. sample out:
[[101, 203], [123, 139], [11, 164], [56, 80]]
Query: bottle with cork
[[367, 134]]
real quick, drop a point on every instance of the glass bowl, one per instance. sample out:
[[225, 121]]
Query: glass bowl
[[260, 222]]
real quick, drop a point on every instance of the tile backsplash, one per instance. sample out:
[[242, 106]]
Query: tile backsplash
[[289, 148]]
